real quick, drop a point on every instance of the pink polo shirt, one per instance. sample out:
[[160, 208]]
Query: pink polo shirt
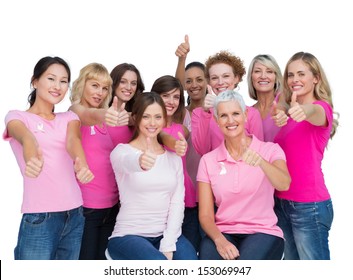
[[206, 135], [304, 145], [242, 193]]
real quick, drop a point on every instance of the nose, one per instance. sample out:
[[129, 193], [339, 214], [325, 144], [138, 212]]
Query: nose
[[263, 75]]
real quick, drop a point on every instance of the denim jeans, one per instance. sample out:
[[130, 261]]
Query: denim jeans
[[50, 236], [133, 247], [191, 228], [306, 228], [256, 246], [99, 225]]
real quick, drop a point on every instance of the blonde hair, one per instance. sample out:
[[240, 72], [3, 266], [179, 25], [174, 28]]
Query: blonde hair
[[322, 90], [92, 71]]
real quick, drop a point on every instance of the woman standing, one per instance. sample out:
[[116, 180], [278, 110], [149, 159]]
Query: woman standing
[[305, 211]]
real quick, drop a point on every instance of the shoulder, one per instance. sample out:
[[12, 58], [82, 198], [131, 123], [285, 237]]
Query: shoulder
[[68, 115]]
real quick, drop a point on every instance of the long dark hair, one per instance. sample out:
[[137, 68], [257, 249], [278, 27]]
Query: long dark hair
[[117, 73], [42, 65], [165, 84]]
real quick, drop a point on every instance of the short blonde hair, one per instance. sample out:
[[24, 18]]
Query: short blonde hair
[[91, 71]]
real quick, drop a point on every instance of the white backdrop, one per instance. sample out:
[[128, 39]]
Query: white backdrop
[[146, 33]]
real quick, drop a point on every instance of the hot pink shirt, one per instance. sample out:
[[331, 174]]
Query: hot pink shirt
[[102, 191], [190, 190], [206, 135], [242, 193], [55, 189], [304, 145]]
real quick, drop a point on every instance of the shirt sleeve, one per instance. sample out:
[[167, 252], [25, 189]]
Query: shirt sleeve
[[200, 127], [176, 212], [125, 159], [254, 123], [10, 116]]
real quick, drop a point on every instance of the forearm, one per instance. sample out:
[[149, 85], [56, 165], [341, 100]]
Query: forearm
[[180, 70], [89, 116], [277, 173]]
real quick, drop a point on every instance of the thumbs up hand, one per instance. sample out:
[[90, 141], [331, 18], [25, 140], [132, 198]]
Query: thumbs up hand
[[112, 114], [296, 111], [181, 145], [83, 174], [249, 156], [279, 116], [210, 97], [123, 116], [34, 165], [148, 157], [183, 48]]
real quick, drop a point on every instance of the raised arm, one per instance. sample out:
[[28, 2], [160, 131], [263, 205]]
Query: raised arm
[[32, 154], [181, 53]]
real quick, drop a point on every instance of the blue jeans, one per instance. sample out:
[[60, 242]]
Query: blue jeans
[[191, 228], [256, 246], [99, 225], [134, 247], [50, 236], [306, 228]]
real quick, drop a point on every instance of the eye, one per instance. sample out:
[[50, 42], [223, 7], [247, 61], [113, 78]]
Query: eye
[[105, 89], [188, 82], [134, 84], [51, 79]]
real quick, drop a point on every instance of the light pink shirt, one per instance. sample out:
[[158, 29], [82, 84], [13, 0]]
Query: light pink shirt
[[190, 190], [243, 193], [304, 145], [102, 191], [206, 135], [152, 202], [55, 189]]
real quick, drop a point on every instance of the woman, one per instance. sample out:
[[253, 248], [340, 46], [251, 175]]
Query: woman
[[240, 177], [170, 89], [305, 211], [48, 150], [148, 226], [223, 71], [265, 86], [90, 95]]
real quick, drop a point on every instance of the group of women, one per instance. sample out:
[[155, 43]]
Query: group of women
[[155, 179]]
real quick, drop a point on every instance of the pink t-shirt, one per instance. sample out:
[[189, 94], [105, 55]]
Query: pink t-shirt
[[304, 145], [190, 190], [206, 135], [242, 193], [120, 134], [56, 188], [102, 191]]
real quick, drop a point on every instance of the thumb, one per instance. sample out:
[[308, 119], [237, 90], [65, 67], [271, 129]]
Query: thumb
[[78, 164], [181, 136], [293, 99], [186, 38], [40, 154], [122, 107], [274, 108], [210, 90], [149, 145], [115, 103]]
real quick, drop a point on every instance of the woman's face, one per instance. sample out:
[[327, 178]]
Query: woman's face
[[127, 86], [222, 78], [263, 78], [52, 85], [171, 101], [230, 118], [94, 93], [195, 83], [301, 80], [152, 121]]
